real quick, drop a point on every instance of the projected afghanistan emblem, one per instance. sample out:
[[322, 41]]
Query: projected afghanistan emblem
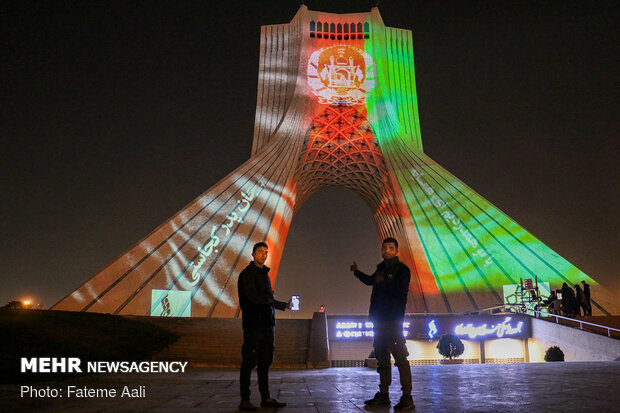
[[341, 74], [336, 105]]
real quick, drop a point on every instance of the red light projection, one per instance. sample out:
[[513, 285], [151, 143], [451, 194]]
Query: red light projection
[[340, 149]]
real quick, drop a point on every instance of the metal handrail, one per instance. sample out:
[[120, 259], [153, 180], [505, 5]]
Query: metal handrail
[[524, 310]]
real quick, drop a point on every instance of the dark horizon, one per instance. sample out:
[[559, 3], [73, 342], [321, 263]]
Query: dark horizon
[[119, 114]]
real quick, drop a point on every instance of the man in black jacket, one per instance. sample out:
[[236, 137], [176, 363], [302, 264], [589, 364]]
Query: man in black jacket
[[258, 320], [390, 285]]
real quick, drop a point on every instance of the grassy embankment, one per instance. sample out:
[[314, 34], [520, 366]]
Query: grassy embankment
[[89, 336]]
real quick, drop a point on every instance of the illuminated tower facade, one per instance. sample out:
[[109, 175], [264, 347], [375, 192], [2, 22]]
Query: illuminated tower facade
[[336, 105]]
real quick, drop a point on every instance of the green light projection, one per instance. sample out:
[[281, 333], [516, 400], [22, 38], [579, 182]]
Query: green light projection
[[471, 247]]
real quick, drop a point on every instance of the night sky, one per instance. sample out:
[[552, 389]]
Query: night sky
[[115, 115]]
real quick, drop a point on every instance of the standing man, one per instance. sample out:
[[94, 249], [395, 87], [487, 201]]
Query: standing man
[[258, 317], [390, 285], [586, 292]]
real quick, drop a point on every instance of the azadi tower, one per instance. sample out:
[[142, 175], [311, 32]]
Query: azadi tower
[[336, 105]]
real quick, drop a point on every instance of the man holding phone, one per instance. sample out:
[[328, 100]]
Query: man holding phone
[[390, 286], [258, 319]]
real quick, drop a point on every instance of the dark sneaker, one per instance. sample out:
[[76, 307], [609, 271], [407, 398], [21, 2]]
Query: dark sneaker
[[405, 403], [271, 403], [378, 400], [247, 406]]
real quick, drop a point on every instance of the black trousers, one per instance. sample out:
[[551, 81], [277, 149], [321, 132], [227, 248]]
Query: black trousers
[[257, 351], [389, 339]]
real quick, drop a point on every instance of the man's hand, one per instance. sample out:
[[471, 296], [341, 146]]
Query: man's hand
[[288, 304], [354, 266]]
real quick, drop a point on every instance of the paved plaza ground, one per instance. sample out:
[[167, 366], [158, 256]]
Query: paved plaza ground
[[534, 387]]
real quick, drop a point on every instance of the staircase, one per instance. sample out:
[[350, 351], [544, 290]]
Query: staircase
[[216, 342], [292, 343]]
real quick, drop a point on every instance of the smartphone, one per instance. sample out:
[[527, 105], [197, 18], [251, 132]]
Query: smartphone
[[559, 295], [295, 303]]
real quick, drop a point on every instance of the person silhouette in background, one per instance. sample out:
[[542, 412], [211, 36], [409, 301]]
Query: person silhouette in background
[[586, 292], [552, 303], [568, 301], [581, 301]]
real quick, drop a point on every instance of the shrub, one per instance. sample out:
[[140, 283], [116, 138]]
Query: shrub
[[450, 346], [554, 354]]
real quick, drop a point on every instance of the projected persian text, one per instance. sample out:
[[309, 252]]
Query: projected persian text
[[210, 247], [451, 219]]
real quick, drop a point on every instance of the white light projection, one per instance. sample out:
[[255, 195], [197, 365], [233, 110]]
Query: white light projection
[[91, 292], [171, 305], [177, 263], [260, 219], [341, 74], [205, 252], [194, 275], [78, 296], [214, 278]]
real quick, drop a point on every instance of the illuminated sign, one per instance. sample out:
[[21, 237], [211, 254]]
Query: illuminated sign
[[424, 327], [359, 329], [499, 330], [170, 303], [341, 74], [432, 329]]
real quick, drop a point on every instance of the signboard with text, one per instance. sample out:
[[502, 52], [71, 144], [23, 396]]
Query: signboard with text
[[430, 327]]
